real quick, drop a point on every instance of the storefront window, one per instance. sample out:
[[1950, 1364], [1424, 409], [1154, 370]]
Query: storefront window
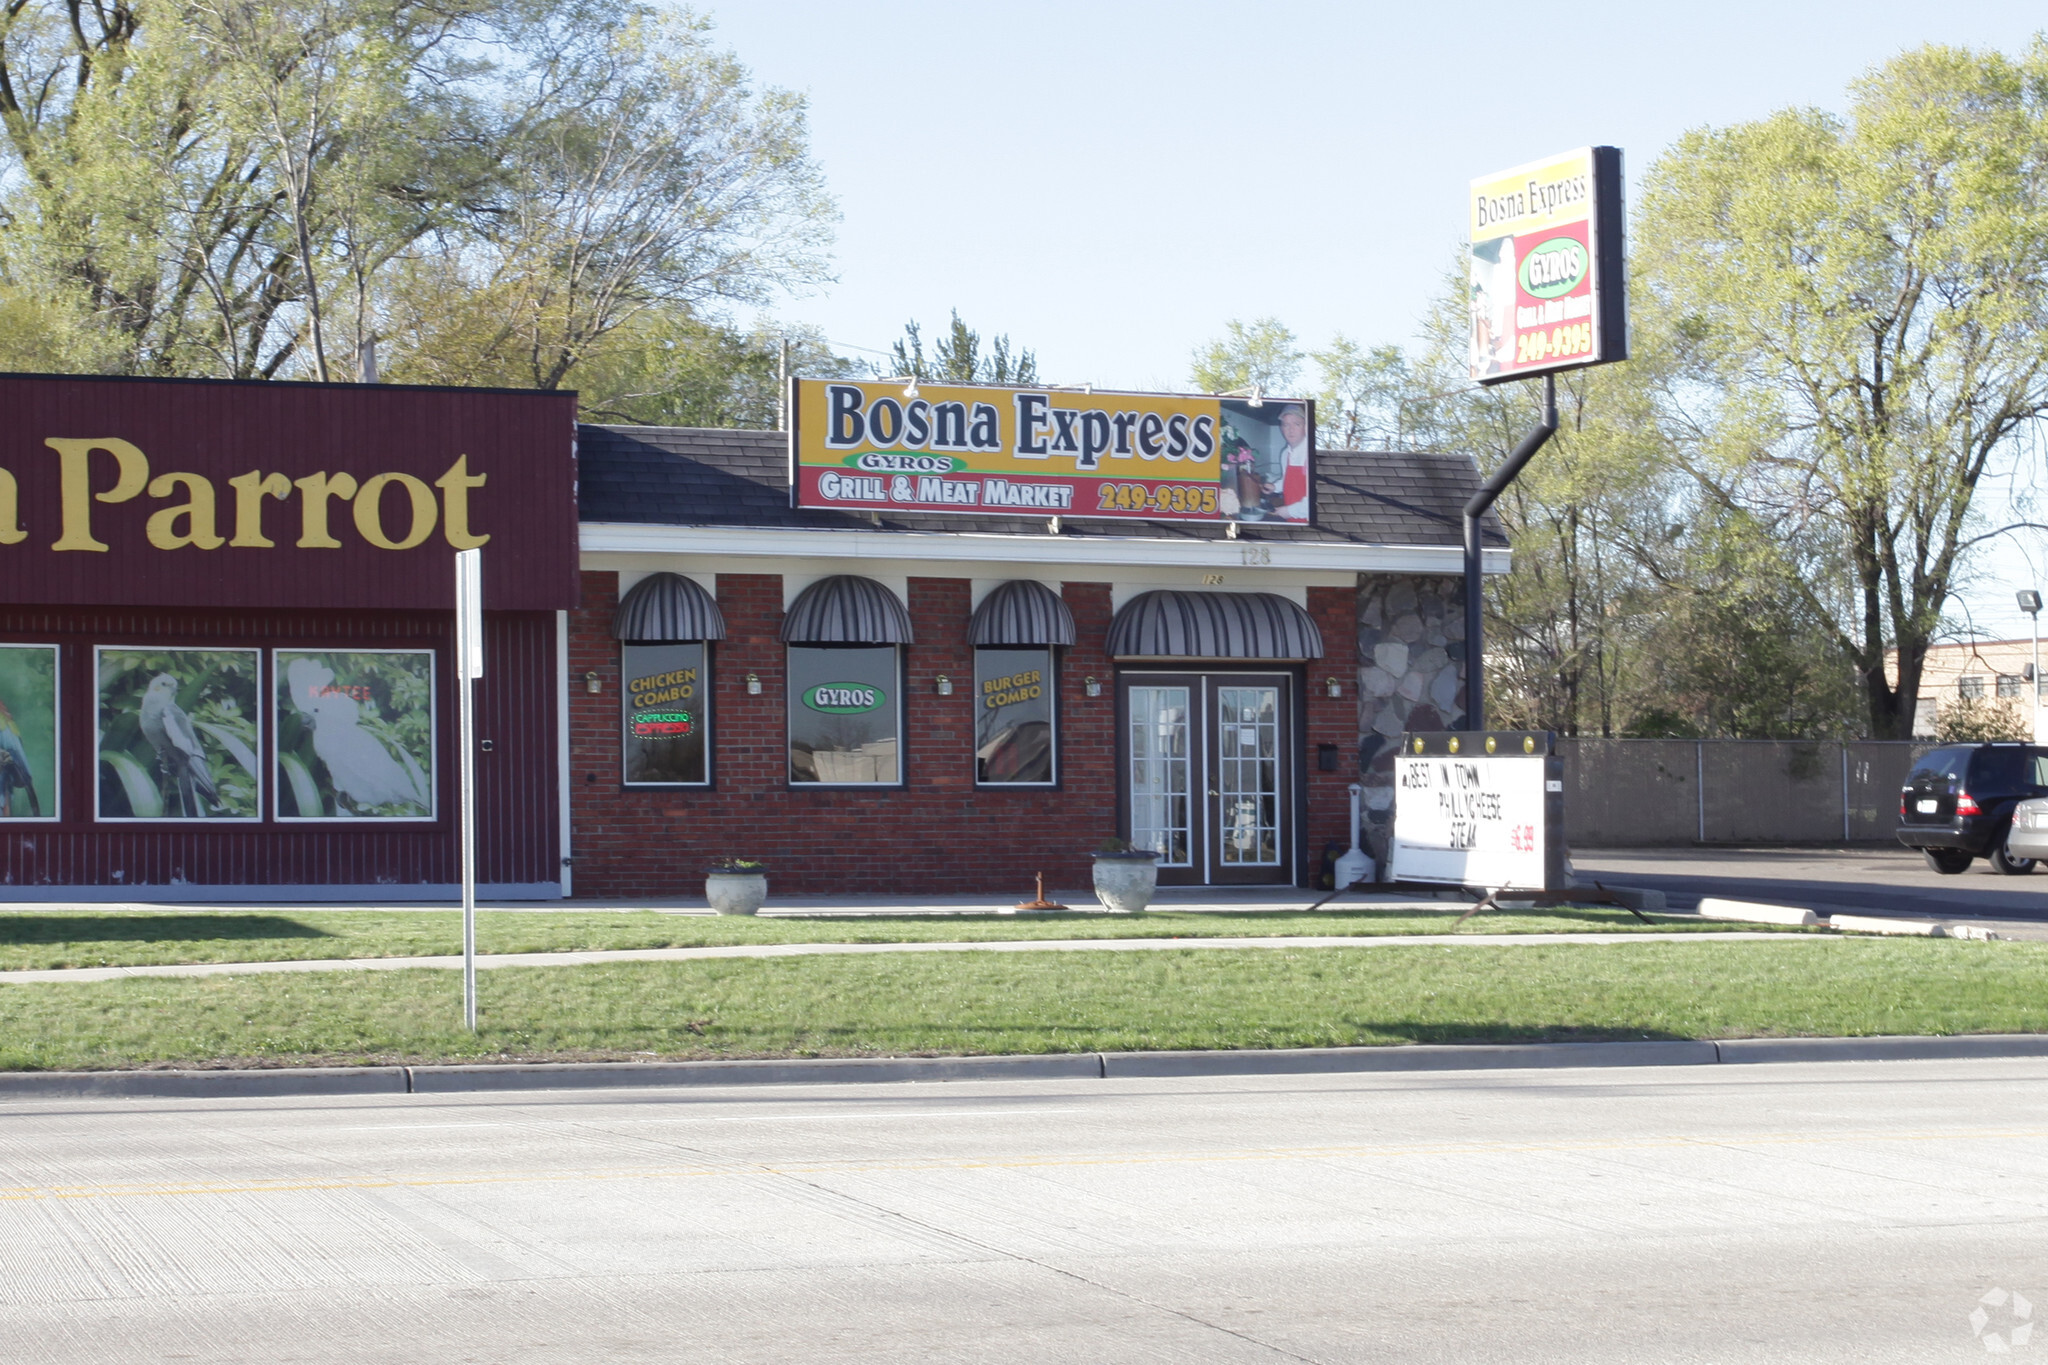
[[665, 713], [177, 734], [28, 732], [1013, 718], [845, 715], [355, 734]]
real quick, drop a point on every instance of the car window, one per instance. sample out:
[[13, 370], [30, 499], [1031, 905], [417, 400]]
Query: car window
[[1940, 765], [1998, 768], [2041, 770]]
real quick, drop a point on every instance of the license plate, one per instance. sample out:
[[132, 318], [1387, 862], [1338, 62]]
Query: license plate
[[1928, 807]]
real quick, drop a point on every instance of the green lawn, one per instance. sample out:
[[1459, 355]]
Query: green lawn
[[1040, 1002], [30, 938]]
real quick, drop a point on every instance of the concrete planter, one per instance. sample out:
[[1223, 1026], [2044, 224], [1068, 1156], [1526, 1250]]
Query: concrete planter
[[736, 893], [1124, 882]]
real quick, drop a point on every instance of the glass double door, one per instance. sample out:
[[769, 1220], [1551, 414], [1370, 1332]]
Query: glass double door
[[1207, 774]]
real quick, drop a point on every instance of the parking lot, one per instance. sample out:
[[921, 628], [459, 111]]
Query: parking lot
[[1876, 879]]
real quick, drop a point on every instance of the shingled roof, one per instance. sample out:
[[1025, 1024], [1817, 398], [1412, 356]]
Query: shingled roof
[[700, 476]]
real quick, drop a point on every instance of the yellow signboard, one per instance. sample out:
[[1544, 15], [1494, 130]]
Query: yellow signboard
[[874, 445]]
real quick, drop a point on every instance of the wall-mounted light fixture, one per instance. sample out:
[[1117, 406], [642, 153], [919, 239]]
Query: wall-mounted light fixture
[[1091, 687], [945, 685], [753, 684], [1335, 688], [591, 683]]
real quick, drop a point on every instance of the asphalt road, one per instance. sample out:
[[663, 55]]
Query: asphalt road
[[1879, 880], [1835, 1212]]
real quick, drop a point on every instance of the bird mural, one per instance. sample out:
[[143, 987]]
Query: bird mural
[[171, 733], [359, 764], [15, 773]]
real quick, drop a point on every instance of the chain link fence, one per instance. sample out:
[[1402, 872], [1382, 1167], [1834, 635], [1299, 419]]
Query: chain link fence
[[1622, 792]]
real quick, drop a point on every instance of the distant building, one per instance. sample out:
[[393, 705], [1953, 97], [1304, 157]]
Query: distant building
[[1988, 670]]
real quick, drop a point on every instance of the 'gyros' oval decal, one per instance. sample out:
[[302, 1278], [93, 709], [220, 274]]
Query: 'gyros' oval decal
[[1554, 268], [844, 698]]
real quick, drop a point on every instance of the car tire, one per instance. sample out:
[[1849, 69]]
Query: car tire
[[2003, 862], [1949, 862]]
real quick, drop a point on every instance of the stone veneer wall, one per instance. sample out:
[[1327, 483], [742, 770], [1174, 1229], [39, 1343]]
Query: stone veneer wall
[[1411, 676]]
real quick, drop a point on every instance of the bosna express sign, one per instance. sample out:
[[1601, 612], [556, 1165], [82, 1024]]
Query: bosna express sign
[[1547, 289], [876, 446]]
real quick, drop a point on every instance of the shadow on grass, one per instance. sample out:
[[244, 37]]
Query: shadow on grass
[[25, 929], [1398, 1031]]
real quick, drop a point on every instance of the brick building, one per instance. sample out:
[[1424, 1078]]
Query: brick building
[[1211, 690]]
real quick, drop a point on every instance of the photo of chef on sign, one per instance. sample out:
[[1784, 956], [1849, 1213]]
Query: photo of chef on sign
[[1265, 452]]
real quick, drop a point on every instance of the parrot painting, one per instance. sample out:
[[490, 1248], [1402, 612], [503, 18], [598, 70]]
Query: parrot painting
[[358, 762], [171, 733], [15, 774]]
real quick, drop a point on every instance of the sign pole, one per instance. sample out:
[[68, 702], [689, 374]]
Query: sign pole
[[469, 666], [1475, 508]]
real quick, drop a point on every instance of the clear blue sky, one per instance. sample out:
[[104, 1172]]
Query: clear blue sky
[[1110, 182]]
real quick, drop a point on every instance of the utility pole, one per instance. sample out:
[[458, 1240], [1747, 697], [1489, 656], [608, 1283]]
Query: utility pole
[[2030, 603]]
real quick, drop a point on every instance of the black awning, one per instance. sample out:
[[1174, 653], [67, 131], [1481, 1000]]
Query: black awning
[[1213, 625], [846, 610], [667, 606], [1021, 612]]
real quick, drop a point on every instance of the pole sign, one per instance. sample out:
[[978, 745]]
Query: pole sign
[[1481, 809], [1549, 290], [971, 451]]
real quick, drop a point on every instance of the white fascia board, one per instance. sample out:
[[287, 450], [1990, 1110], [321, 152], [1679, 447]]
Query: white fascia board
[[600, 538]]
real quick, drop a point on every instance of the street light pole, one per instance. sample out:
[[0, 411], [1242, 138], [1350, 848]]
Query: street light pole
[[2030, 603]]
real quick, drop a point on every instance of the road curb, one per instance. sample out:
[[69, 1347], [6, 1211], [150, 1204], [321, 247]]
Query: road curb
[[1897, 1049], [208, 1085], [448, 1080], [280, 1082], [1416, 1057]]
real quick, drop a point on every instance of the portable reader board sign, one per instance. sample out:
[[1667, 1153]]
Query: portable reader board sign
[[1481, 809]]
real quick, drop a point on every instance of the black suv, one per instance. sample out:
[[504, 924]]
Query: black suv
[[1957, 803]]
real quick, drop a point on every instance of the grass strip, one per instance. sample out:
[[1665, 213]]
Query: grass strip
[[37, 939], [1038, 1002]]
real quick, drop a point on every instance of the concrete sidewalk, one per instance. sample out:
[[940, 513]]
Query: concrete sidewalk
[[1171, 899], [1069, 945]]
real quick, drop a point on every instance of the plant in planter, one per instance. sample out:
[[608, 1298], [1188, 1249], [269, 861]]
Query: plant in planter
[[1125, 877], [736, 886]]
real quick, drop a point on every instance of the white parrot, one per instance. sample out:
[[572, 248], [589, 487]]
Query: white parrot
[[169, 731], [359, 763]]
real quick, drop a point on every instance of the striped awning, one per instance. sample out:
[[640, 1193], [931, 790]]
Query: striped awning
[[846, 610], [1021, 612], [1213, 625], [667, 606]]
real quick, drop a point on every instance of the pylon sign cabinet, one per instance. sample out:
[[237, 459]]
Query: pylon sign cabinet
[[1480, 809]]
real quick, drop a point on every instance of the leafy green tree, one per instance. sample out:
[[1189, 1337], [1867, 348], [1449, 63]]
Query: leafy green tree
[[1978, 720], [1861, 309], [957, 358], [495, 189], [675, 369], [1262, 355], [1363, 403]]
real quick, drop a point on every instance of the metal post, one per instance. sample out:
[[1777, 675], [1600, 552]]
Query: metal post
[[1845, 791], [469, 666], [1699, 758], [782, 386], [1475, 508]]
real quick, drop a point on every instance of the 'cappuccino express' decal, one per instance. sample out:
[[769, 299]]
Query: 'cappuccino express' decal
[[888, 446], [1547, 290]]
